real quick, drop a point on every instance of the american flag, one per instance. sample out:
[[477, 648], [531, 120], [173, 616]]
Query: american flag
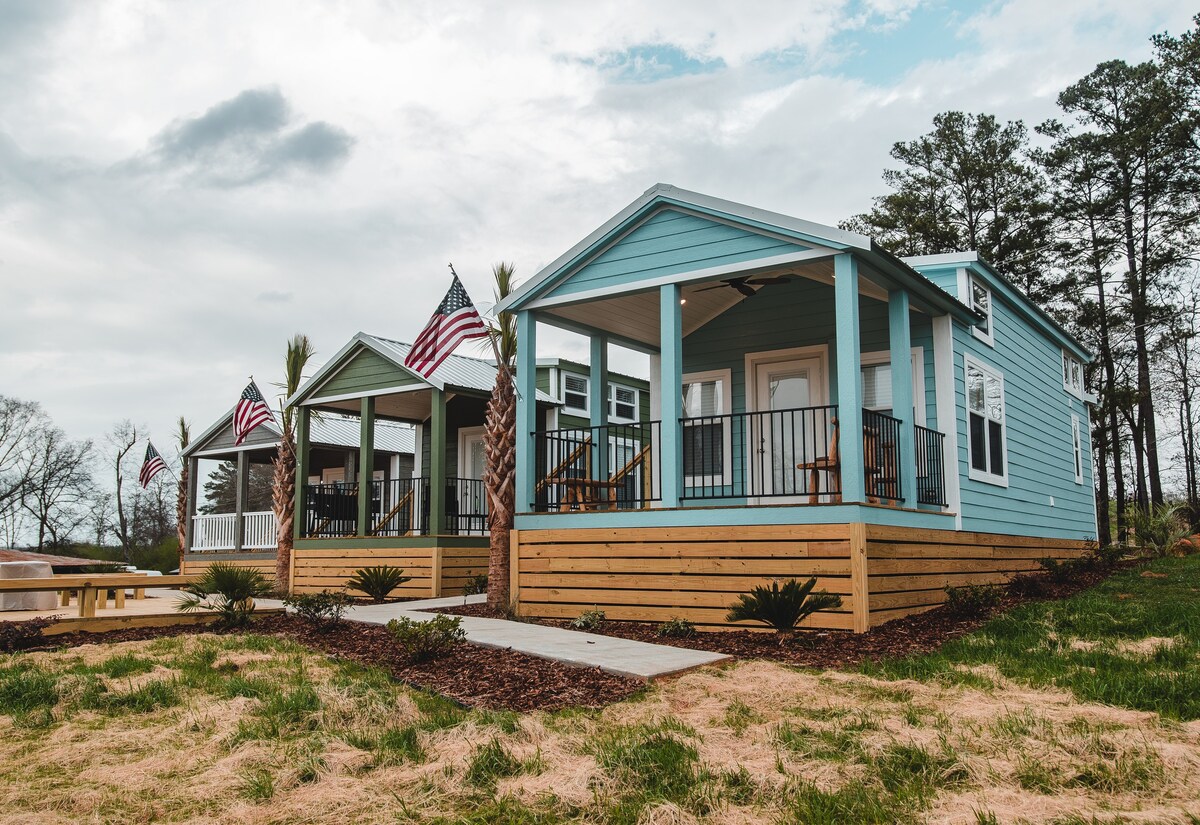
[[251, 411], [152, 466], [454, 321]]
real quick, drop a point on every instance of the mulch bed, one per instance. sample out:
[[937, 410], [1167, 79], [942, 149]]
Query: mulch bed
[[472, 675], [919, 633]]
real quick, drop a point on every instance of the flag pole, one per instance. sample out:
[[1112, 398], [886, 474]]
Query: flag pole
[[500, 365]]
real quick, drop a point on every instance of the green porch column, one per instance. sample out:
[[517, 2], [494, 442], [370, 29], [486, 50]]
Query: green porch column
[[670, 341], [366, 464], [437, 463], [900, 342], [598, 404], [299, 515], [849, 377], [240, 494], [527, 469]]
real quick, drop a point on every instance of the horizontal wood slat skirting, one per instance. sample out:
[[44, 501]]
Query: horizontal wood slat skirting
[[435, 571], [697, 573], [908, 569]]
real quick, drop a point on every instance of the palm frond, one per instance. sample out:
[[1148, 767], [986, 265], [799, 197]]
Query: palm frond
[[184, 434], [503, 328], [299, 352]]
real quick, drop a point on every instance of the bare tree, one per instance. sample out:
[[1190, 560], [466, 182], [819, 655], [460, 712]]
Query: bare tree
[[56, 494], [21, 425], [121, 440]]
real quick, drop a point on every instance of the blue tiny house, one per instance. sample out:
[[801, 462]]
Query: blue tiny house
[[817, 407]]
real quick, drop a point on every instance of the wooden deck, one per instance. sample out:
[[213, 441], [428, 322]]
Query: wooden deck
[[156, 610]]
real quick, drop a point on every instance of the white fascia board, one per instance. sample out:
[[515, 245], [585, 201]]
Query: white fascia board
[[195, 448]]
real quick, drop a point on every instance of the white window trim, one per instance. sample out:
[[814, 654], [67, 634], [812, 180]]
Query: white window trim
[[612, 403], [584, 411], [1079, 392], [1077, 448], [917, 354], [965, 279], [724, 377], [974, 474]]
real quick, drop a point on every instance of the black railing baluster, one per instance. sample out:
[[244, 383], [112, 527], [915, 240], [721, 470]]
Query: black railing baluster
[[931, 471]]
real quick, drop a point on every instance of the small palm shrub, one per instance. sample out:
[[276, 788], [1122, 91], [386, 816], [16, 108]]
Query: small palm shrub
[[677, 628], [475, 585], [589, 619], [377, 582], [228, 590], [782, 607], [324, 609], [1160, 528], [972, 600], [429, 639]]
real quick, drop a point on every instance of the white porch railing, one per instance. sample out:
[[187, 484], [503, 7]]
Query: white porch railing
[[216, 531]]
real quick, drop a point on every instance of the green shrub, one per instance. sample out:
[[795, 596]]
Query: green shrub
[[227, 589], [782, 607], [377, 582], [1160, 527], [429, 639], [1028, 584], [476, 585], [324, 609], [1060, 571], [677, 628], [972, 599], [589, 619]]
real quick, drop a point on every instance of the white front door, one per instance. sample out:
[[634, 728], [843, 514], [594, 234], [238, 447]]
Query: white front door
[[789, 430], [471, 497]]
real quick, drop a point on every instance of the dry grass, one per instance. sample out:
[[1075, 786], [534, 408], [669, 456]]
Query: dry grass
[[261, 731]]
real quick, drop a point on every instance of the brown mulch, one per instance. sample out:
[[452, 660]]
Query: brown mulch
[[919, 633], [472, 675]]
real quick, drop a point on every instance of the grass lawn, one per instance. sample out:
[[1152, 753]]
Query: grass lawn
[[1078, 711]]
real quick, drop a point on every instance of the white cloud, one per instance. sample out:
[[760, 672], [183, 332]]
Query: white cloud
[[394, 137]]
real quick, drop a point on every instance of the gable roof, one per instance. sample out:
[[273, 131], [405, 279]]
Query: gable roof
[[1012, 293], [459, 372], [324, 430], [811, 241]]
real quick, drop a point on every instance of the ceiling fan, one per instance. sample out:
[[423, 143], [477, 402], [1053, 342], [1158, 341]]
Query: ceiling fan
[[745, 283]]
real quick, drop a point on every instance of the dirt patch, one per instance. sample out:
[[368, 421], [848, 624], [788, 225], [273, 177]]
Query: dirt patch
[[473, 675], [920, 633]]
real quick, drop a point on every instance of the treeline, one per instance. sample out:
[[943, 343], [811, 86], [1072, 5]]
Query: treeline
[[1094, 216], [59, 493]]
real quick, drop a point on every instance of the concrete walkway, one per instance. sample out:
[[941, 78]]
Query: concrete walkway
[[624, 657]]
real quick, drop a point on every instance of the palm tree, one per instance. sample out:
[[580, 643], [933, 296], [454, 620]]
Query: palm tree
[[500, 443], [283, 490], [183, 436]]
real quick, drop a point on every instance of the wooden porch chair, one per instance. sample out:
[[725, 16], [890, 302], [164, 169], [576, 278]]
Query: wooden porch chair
[[832, 464]]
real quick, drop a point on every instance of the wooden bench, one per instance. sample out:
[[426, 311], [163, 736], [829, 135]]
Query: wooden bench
[[91, 586]]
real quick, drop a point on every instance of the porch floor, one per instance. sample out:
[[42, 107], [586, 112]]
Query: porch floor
[[624, 657]]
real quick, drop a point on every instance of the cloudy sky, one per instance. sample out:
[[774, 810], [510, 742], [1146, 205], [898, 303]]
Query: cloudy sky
[[185, 185]]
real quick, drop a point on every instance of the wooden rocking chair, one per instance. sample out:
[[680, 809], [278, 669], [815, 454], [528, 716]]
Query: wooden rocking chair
[[832, 464]]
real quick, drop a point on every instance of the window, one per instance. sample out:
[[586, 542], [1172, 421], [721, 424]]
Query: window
[[622, 403], [985, 423], [1072, 375], [575, 393], [981, 302], [706, 428], [877, 387], [1077, 440]]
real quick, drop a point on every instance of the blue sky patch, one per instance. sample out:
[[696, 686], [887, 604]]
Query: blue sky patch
[[651, 62]]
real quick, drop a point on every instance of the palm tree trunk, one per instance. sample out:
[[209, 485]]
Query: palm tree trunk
[[181, 511], [500, 450], [283, 499]]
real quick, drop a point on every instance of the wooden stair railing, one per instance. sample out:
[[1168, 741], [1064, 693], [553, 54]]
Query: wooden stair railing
[[565, 463], [405, 499]]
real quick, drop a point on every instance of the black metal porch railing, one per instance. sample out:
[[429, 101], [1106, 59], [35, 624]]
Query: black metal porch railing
[[612, 467], [330, 510], [773, 454], [399, 507], [931, 469], [881, 448]]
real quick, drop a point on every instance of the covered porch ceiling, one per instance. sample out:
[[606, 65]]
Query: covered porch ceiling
[[633, 318], [412, 406]]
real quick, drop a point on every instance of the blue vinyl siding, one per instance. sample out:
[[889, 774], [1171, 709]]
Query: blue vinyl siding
[[670, 242]]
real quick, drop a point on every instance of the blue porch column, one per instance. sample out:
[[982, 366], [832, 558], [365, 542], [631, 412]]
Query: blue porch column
[[598, 405], [670, 341], [900, 343], [849, 377], [526, 410], [366, 464]]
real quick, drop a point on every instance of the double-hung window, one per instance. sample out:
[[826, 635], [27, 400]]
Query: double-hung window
[[986, 437], [979, 296], [575, 393], [1077, 443], [706, 429], [622, 403], [1072, 375]]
